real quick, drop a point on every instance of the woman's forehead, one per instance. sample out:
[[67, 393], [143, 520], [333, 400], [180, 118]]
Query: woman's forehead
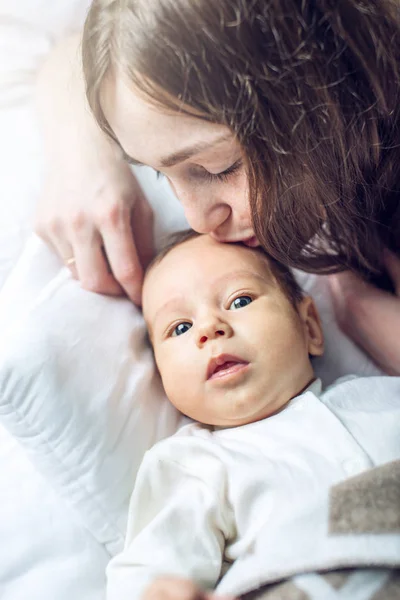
[[153, 135]]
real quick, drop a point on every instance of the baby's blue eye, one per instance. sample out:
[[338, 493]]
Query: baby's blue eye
[[181, 328], [240, 302]]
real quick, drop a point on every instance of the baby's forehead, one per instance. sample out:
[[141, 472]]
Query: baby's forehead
[[182, 257], [180, 270]]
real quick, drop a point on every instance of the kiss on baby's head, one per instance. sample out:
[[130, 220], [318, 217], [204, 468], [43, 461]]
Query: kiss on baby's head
[[231, 330]]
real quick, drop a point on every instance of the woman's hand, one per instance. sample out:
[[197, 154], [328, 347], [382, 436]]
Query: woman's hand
[[177, 588], [370, 316], [92, 211]]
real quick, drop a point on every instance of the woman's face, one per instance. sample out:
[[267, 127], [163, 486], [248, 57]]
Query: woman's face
[[202, 161]]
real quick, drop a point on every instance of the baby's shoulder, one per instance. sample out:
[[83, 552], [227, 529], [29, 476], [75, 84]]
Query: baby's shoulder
[[377, 393], [191, 452], [192, 445]]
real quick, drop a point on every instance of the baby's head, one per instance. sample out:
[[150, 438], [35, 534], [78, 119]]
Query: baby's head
[[231, 330]]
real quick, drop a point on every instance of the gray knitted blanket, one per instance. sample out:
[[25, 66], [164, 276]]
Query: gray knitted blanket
[[364, 517]]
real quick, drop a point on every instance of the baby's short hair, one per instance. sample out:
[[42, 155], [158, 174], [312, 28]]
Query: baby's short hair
[[282, 274]]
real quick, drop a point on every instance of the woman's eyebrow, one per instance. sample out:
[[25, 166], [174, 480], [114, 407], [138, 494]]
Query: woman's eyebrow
[[181, 155], [185, 153]]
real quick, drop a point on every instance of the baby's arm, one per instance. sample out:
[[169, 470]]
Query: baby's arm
[[176, 527]]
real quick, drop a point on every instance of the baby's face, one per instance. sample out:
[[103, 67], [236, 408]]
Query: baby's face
[[229, 345]]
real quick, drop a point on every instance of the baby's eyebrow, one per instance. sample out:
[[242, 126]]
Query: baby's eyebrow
[[244, 273], [177, 302], [173, 303]]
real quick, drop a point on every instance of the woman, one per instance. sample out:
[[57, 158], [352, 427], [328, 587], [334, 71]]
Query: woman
[[275, 122]]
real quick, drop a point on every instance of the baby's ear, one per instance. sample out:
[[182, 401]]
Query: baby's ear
[[312, 324]]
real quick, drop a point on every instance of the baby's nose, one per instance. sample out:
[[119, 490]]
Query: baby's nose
[[213, 331], [205, 337]]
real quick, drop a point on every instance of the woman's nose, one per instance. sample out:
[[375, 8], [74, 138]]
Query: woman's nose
[[213, 330], [204, 214], [207, 221]]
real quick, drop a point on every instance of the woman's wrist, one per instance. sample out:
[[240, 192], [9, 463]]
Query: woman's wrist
[[63, 112]]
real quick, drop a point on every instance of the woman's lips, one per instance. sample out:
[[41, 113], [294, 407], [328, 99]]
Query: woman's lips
[[251, 242]]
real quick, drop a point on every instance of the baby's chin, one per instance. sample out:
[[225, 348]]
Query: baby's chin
[[240, 413]]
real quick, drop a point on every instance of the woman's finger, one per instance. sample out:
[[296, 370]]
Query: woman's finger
[[123, 257], [65, 252], [69, 261], [92, 267]]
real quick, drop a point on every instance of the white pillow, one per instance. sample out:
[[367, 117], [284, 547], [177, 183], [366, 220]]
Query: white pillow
[[78, 388]]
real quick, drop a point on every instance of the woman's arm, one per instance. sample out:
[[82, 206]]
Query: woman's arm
[[370, 316], [91, 209]]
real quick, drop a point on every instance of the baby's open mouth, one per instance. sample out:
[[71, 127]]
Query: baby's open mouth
[[225, 365]]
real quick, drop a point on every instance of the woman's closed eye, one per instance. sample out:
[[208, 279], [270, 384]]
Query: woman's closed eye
[[240, 302], [199, 172]]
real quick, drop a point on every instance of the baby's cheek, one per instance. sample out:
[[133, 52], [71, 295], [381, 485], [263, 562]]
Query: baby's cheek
[[288, 338], [174, 376]]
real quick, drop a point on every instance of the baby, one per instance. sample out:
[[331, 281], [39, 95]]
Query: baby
[[233, 336]]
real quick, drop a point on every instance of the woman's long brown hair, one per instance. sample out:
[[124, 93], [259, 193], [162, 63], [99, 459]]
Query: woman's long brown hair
[[311, 89]]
